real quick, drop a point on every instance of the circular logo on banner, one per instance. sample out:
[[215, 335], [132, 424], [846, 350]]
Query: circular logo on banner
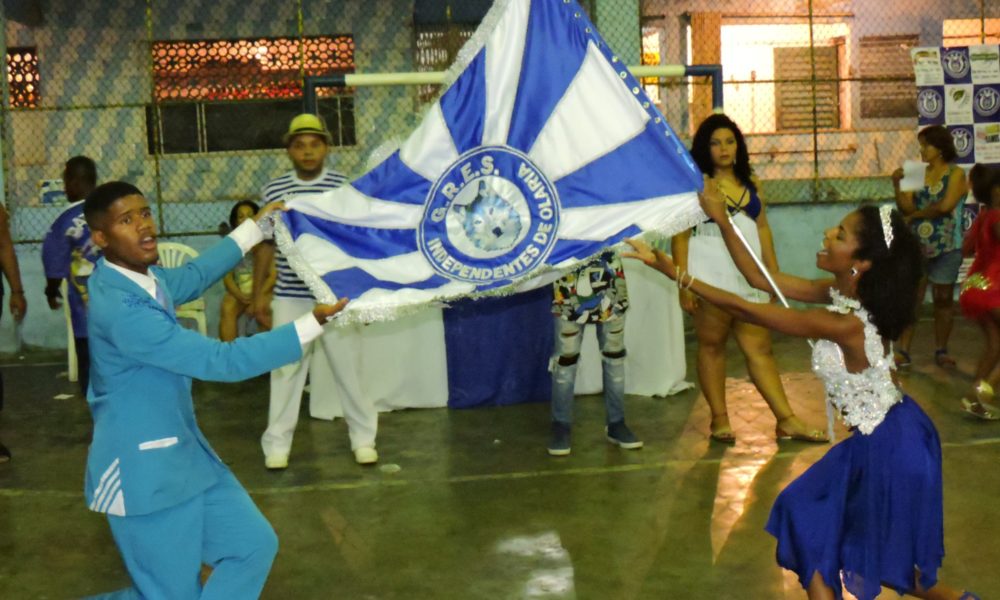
[[955, 63], [929, 103], [970, 210], [963, 141], [491, 216], [987, 102]]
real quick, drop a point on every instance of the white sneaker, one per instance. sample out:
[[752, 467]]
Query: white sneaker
[[276, 462], [366, 456]]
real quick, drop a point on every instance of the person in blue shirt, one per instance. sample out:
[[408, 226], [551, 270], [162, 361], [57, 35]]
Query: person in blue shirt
[[171, 503], [68, 253]]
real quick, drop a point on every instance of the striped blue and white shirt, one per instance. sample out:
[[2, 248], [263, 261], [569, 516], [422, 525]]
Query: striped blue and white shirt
[[288, 284]]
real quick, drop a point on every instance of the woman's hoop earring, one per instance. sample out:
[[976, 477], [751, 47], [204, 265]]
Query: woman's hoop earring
[[854, 271]]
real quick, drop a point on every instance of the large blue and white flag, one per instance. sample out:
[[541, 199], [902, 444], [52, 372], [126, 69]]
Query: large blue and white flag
[[542, 151]]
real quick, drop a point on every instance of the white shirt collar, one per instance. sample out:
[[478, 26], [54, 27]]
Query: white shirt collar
[[146, 282], [322, 174]]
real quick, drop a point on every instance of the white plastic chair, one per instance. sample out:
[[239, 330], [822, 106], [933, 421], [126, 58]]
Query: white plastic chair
[[72, 370], [173, 255]]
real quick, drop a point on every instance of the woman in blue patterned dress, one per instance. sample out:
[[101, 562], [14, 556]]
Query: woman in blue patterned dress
[[935, 214]]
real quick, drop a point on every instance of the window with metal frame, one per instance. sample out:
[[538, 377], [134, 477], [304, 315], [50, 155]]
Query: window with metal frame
[[23, 77], [206, 91], [887, 76], [793, 90], [435, 49]]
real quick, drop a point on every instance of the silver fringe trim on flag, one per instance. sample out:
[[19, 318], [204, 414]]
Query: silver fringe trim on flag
[[541, 276]]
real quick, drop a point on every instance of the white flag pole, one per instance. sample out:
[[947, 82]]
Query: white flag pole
[[760, 264], [784, 301]]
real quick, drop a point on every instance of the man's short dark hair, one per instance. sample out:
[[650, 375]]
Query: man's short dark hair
[[103, 196], [83, 165]]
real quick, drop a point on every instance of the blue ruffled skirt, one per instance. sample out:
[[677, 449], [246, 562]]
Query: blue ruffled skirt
[[870, 509]]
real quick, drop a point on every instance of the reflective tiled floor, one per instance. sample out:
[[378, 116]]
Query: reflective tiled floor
[[466, 504]]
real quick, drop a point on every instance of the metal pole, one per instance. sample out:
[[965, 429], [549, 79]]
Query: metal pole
[[154, 103], [784, 302], [436, 77], [5, 146], [982, 21], [309, 101], [713, 71], [815, 124]]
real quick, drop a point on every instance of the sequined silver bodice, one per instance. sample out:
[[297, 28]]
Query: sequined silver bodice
[[863, 398]]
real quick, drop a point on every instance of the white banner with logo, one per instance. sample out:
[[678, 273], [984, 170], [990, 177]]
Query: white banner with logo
[[959, 88]]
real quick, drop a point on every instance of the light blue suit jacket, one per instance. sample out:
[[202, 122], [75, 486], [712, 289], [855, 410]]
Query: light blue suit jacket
[[147, 452]]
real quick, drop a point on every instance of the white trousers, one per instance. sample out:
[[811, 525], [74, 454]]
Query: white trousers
[[332, 360]]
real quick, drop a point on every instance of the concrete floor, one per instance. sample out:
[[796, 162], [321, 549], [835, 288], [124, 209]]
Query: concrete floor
[[466, 504]]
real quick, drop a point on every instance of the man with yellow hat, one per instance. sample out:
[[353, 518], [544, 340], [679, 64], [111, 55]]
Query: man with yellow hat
[[329, 361]]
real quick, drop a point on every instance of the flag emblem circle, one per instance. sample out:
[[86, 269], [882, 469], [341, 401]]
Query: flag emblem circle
[[987, 102], [955, 63], [963, 141], [929, 103], [491, 216]]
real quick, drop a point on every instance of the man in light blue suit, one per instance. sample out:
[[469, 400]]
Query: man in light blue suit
[[171, 502]]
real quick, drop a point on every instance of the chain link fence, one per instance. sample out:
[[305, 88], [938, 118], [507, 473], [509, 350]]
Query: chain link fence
[[823, 89], [188, 99]]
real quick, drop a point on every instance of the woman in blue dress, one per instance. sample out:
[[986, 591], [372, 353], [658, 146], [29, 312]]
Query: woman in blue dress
[[869, 513]]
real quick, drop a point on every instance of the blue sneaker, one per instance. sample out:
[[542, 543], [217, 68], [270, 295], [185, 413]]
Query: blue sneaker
[[619, 433], [559, 443]]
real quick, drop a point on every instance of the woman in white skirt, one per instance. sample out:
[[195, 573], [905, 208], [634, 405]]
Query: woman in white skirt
[[721, 153]]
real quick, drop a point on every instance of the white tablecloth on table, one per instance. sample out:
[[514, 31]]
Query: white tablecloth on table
[[403, 363]]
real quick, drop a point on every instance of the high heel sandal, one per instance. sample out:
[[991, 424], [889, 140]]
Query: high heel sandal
[[979, 409], [814, 436], [943, 359], [723, 435]]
